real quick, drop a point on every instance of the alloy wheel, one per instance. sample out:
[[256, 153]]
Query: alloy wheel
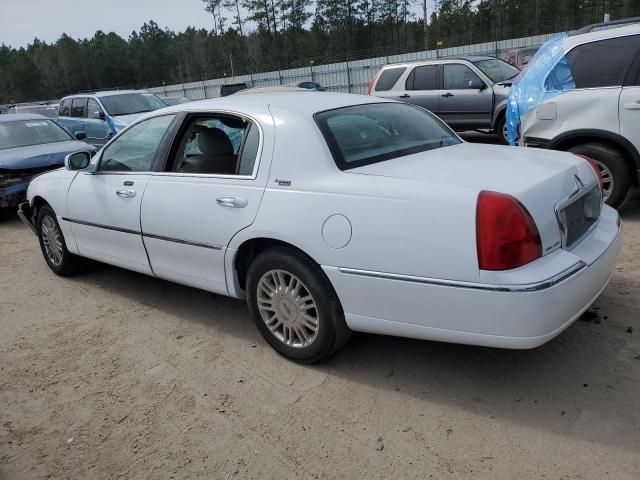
[[52, 240], [607, 180]]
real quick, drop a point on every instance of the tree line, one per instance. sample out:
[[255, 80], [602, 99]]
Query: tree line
[[250, 36]]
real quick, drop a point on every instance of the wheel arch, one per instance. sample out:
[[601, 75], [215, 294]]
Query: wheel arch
[[577, 137], [237, 263]]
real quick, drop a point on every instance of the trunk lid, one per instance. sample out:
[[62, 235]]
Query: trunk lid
[[540, 179]]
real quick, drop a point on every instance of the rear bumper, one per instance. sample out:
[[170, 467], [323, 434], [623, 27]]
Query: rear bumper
[[25, 213], [482, 314]]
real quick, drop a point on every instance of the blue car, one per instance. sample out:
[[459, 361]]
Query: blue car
[[101, 115], [31, 144]]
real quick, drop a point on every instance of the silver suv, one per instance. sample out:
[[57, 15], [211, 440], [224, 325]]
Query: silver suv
[[590, 104], [466, 92]]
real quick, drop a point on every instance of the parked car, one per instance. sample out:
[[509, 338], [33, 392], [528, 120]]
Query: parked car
[[466, 92], [336, 213], [520, 57], [174, 100], [231, 88], [103, 114], [587, 101], [308, 86], [30, 144], [596, 27], [48, 110]]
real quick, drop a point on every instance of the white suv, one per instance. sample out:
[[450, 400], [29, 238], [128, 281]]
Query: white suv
[[595, 109]]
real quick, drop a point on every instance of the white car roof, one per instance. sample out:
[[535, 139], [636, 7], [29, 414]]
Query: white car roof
[[573, 40], [304, 103]]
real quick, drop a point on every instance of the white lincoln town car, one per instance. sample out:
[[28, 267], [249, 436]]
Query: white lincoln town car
[[332, 213]]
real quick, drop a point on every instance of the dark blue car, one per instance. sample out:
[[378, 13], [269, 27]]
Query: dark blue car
[[30, 144]]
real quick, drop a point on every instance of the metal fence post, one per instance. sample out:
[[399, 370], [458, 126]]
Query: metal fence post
[[348, 77]]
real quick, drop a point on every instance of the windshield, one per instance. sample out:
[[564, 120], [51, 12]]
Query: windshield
[[22, 133], [130, 103], [496, 69], [372, 133]]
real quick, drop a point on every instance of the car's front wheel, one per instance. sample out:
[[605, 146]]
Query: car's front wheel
[[295, 306], [53, 246], [616, 180]]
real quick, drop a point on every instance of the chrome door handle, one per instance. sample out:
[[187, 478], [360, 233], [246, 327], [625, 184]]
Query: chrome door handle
[[126, 193], [632, 106], [232, 202]]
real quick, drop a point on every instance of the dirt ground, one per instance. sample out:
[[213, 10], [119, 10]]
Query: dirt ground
[[113, 374]]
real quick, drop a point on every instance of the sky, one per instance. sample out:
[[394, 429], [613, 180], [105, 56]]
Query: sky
[[23, 20]]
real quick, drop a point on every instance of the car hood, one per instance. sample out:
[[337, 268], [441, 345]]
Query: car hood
[[40, 156], [124, 120]]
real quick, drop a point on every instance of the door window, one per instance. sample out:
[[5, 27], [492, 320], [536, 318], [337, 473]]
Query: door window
[[93, 109], [603, 63], [135, 149], [458, 76], [79, 108], [424, 78], [217, 145]]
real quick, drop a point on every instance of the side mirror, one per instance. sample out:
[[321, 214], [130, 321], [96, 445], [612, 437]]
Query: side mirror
[[77, 161], [477, 84], [80, 135]]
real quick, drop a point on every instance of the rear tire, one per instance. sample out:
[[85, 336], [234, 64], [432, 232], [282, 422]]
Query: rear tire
[[53, 246], [294, 306], [614, 169]]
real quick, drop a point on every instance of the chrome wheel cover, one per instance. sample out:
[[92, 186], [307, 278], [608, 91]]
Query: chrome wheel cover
[[607, 180], [288, 309], [52, 240], [505, 133]]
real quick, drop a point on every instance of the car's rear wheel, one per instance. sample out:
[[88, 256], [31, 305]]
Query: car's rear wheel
[[53, 246], [502, 132], [294, 306], [616, 180]]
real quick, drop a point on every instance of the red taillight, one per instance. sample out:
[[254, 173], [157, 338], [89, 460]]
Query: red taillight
[[595, 167], [372, 82], [506, 235]]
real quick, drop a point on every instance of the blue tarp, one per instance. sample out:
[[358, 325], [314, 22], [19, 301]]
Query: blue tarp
[[547, 75]]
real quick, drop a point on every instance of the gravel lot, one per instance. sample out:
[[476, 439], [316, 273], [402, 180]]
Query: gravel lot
[[113, 374]]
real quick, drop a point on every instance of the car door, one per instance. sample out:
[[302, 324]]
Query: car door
[[629, 101], [77, 122], [64, 115], [96, 126], [211, 189], [462, 104], [423, 87], [103, 205]]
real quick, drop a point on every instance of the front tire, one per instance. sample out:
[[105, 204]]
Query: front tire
[[613, 168], [501, 130], [294, 306], [53, 246]]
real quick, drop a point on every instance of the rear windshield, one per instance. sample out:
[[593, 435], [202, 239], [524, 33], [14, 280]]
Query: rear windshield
[[375, 132], [22, 133], [130, 103], [388, 78]]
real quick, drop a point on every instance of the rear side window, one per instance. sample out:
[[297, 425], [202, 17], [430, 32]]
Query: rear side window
[[79, 107], [371, 133], [65, 108], [424, 78], [603, 63], [388, 78]]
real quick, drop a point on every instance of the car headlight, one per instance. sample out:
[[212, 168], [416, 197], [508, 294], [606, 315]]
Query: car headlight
[[6, 180]]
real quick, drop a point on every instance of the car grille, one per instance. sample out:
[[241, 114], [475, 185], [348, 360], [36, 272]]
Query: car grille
[[578, 217]]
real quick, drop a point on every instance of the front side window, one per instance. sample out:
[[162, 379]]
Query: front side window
[[217, 145], [602, 63], [458, 76], [135, 149], [130, 103], [22, 133], [93, 109], [388, 78], [79, 107], [371, 133], [424, 78]]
